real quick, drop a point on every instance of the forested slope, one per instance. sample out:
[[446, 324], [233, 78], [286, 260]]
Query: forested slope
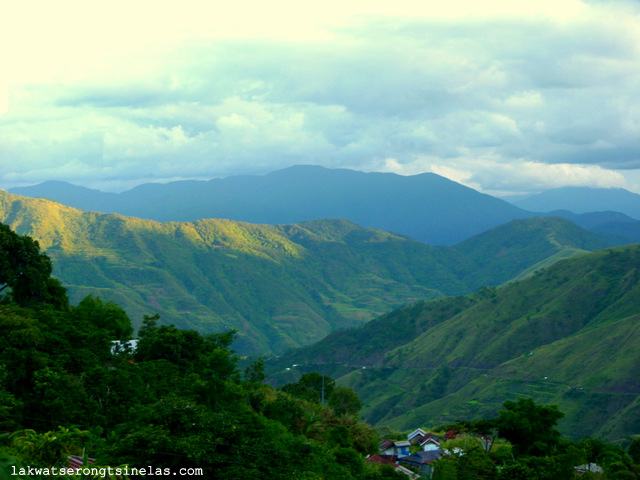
[[278, 286], [569, 335], [178, 401]]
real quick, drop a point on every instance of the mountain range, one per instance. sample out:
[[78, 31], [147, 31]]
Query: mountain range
[[567, 335], [583, 200], [279, 286], [425, 207], [425, 334]]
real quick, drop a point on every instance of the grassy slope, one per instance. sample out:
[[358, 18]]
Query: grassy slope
[[279, 286], [520, 247], [577, 324]]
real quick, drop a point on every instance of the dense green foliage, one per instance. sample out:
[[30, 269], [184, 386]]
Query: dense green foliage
[[25, 273], [278, 286], [522, 443], [549, 337], [176, 401], [180, 399], [568, 335], [530, 428]]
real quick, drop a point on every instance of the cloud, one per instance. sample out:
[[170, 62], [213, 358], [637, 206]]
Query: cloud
[[503, 97], [503, 178]]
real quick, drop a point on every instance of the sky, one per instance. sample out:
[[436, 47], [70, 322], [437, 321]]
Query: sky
[[504, 97]]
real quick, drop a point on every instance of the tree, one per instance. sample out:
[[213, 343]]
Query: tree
[[26, 449], [485, 428], [530, 427], [166, 342], [48, 448], [465, 459], [25, 273], [445, 468], [634, 450], [8, 402], [254, 372], [107, 316], [538, 468], [188, 350], [517, 471], [344, 400], [311, 386]]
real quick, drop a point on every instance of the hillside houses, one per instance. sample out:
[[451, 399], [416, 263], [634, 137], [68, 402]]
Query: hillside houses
[[418, 452], [399, 449], [416, 436], [403, 455], [421, 462]]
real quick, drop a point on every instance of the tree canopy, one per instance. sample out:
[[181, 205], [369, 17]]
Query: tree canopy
[[177, 400], [525, 445], [25, 272], [531, 428], [180, 400]]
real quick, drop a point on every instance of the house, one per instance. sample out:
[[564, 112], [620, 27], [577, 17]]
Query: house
[[407, 472], [430, 442], [382, 459], [427, 441], [421, 461], [390, 447], [416, 436]]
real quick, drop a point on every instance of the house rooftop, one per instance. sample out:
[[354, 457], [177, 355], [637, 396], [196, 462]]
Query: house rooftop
[[382, 459], [422, 458], [384, 444]]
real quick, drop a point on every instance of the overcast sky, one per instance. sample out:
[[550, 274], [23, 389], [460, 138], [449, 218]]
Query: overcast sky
[[502, 96]]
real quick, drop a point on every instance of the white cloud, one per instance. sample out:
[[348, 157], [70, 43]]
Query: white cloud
[[524, 100], [460, 176], [501, 96], [499, 177]]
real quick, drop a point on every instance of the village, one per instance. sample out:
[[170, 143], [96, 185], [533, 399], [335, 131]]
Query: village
[[416, 455], [427, 447]]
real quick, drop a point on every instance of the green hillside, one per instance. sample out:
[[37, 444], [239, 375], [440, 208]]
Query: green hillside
[[279, 286], [176, 404], [568, 335], [523, 246]]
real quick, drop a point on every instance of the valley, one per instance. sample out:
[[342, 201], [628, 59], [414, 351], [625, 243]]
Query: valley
[[568, 335], [279, 286], [426, 335]]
